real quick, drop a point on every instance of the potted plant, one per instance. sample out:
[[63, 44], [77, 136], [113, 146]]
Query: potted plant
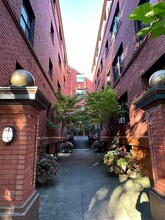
[[121, 162], [98, 146], [66, 147], [47, 164], [47, 167]]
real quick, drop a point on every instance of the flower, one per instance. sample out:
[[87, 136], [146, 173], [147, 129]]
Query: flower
[[66, 147], [120, 162], [47, 166], [98, 145]]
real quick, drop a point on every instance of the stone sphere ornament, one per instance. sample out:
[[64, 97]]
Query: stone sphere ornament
[[21, 78], [157, 79]]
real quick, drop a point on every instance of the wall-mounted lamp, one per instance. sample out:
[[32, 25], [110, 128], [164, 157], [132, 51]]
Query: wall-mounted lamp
[[8, 134]]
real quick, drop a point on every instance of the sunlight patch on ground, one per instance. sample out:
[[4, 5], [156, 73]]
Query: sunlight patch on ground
[[63, 154], [94, 165], [126, 202]]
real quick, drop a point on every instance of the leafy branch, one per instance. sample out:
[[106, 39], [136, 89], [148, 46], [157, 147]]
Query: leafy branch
[[150, 14]]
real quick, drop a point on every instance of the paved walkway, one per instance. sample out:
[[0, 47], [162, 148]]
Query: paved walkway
[[81, 142], [83, 190]]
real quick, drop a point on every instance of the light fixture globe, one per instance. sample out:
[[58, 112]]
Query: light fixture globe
[[21, 78], [157, 78]]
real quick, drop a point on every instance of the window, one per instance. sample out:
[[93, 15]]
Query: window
[[60, 33], [106, 49], [108, 79], [18, 66], [64, 82], [58, 87], [49, 111], [52, 32], [50, 68], [98, 78], [123, 101], [59, 60], [139, 26], [27, 20], [95, 84], [118, 63], [79, 77], [101, 64], [54, 3], [64, 60], [80, 93], [115, 24]]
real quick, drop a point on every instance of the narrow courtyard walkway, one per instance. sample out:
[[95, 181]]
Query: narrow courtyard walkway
[[83, 190]]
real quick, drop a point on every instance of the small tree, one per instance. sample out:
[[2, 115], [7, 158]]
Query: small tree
[[101, 106], [63, 112], [153, 15]]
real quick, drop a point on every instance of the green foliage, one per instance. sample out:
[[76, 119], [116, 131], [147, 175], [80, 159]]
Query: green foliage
[[91, 129], [153, 15], [72, 129], [52, 124], [66, 147], [64, 111], [101, 105], [80, 116], [120, 162], [47, 167]]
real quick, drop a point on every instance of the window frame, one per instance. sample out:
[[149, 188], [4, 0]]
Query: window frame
[[27, 20], [59, 60], [78, 79], [106, 48], [52, 32], [50, 71], [115, 24], [138, 26], [125, 110], [118, 64], [58, 86]]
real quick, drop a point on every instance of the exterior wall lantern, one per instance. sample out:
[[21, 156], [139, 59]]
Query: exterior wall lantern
[[122, 120], [8, 134]]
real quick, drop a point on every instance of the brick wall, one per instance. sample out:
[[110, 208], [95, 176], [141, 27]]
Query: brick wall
[[34, 58], [137, 63], [156, 120], [136, 66], [18, 159]]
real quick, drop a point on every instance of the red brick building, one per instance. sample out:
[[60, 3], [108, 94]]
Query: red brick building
[[126, 62], [79, 84], [32, 38]]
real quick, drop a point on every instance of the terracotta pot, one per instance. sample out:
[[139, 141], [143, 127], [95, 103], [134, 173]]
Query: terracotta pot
[[41, 180]]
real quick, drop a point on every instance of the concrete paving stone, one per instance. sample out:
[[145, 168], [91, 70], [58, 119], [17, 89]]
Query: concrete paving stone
[[83, 190], [61, 210]]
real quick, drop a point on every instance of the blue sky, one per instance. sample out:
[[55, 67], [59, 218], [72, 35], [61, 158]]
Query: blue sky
[[81, 20]]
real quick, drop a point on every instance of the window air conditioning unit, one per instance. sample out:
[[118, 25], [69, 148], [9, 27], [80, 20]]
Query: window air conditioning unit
[[122, 120]]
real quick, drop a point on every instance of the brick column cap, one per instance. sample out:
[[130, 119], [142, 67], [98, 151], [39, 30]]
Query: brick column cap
[[151, 98], [28, 95]]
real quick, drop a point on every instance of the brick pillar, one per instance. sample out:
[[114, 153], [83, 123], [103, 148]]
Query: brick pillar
[[19, 107], [153, 102]]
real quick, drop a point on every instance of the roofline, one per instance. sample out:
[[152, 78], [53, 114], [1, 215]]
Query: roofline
[[99, 32], [62, 30]]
